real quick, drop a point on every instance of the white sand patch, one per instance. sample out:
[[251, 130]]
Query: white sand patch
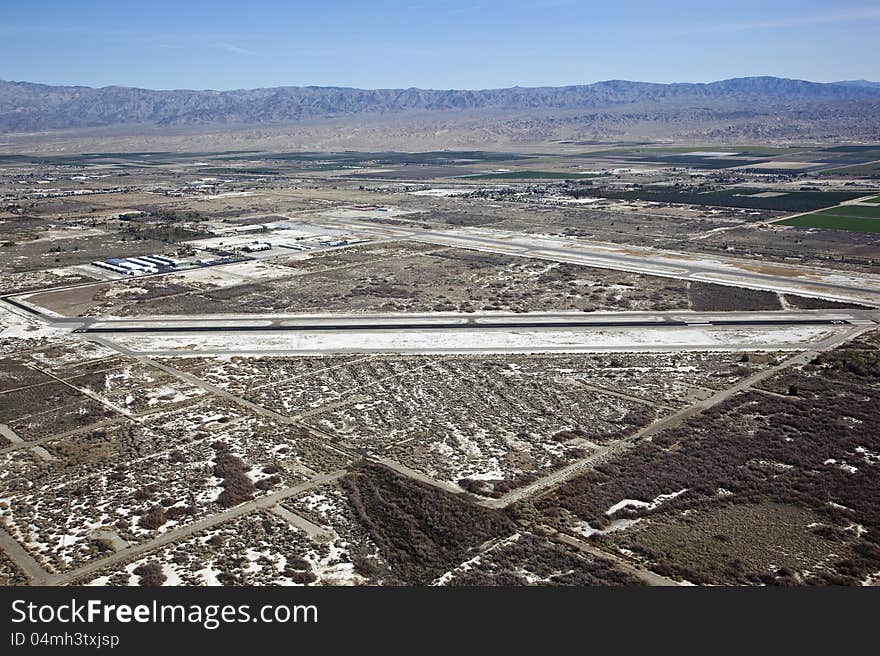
[[778, 164], [440, 193], [645, 505], [17, 326], [229, 194], [567, 200], [709, 153], [768, 194], [586, 530]]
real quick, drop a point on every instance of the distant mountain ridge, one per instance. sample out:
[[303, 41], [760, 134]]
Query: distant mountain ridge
[[29, 107], [860, 83]]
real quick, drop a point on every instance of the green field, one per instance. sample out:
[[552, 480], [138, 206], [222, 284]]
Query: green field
[[733, 150], [852, 212], [220, 170], [532, 175], [858, 171], [853, 218], [794, 201], [435, 157], [875, 199], [138, 158], [834, 223]]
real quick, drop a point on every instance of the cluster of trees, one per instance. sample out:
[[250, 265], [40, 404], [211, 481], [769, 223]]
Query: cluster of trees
[[163, 225], [150, 574], [864, 364], [153, 519], [709, 297], [299, 570], [301, 577], [420, 531], [639, 416], [267, 483], [169, 233], [808, 303], [237, 485], [801, 201], [186, 216], [369, 567]]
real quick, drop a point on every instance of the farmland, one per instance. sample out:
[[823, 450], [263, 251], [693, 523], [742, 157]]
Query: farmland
[[852, 212], [856, 218], [789, 201], [534, 175]]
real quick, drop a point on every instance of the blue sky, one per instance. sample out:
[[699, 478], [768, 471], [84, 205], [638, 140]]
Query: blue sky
[[436, 44]]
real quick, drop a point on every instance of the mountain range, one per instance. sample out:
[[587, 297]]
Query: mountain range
[[38, 117], [28, 107]]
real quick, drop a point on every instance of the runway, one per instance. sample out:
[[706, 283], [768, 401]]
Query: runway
[[402, 324], [485, 333]]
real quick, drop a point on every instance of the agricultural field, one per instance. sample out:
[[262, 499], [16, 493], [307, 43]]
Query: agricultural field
[[787, 201], [835, 222], [855, 218], [851, 212], [534, 175], [870, 170], [685, 157], [753, 158]]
